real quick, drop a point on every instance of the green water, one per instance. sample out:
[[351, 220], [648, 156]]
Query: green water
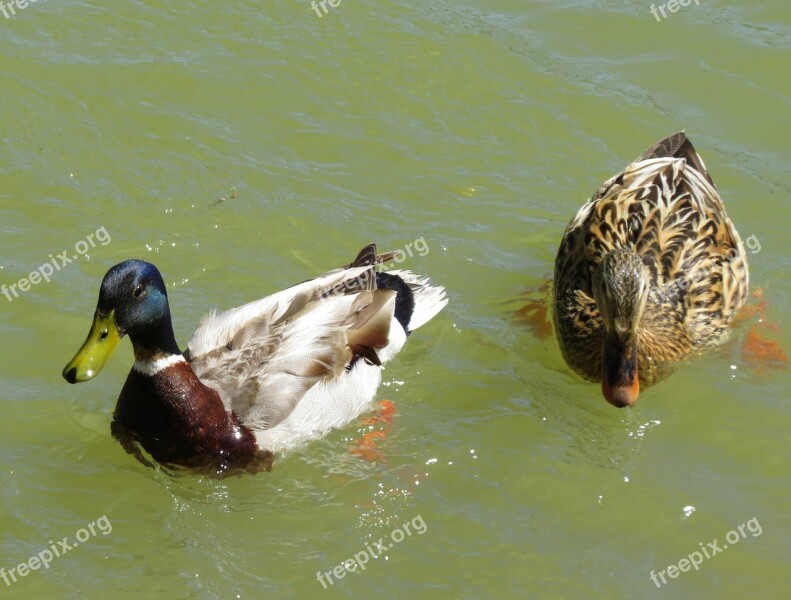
[[479, 127]]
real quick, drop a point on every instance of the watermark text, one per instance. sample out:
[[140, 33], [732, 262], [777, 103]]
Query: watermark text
[[56, 550], [418, 246], [710, 550], [9, 8], [672, 6], [56, 263], [684, 281], [315, 4], [360, 559]]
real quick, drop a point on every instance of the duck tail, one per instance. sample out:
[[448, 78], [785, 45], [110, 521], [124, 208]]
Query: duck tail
[[678, 145], [417, 301], [368, 256]]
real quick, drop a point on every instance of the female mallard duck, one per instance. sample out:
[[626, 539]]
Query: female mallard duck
[[649, 271], [255, 379]]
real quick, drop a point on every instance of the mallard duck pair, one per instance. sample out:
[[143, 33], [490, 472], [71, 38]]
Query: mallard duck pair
[[256, 379], [649, 271]]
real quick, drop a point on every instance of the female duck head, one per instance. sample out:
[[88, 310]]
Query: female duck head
[[620, 288], [132, 300]]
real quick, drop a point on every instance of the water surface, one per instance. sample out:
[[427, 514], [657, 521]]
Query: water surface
[[246, 146]]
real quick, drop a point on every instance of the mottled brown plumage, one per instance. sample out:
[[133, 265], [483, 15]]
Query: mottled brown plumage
[[650, 266]]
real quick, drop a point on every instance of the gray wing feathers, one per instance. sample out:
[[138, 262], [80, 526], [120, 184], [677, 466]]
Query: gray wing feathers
[[263, 367]]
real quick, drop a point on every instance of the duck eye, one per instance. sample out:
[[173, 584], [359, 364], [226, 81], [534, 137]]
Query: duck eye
[[103, 335], [139, 291]]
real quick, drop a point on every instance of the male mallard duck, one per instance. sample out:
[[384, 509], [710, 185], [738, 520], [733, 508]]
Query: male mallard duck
[[649, 271], [255, 379]]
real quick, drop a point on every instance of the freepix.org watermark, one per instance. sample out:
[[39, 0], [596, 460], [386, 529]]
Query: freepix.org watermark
[[682, 283], [350, 565], [56, 550], [315, 4], [672, 6], [10, 7], [56, 263], [418, 246], [710, 550]]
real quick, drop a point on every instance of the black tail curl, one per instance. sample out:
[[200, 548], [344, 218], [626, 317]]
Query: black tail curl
[[405, 299]]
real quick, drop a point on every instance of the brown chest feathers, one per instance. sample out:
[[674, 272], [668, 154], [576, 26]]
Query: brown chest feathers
[[181, 422]]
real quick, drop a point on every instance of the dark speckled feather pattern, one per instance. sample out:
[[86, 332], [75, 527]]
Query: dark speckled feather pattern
[[664, 207]]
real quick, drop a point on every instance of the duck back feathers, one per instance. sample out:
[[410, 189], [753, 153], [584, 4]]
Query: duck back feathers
[[665, 208], [307, 359]]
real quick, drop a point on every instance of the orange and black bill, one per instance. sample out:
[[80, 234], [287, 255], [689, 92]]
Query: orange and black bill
[[620, 380]]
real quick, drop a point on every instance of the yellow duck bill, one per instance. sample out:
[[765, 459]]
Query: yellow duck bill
[[92, 356]]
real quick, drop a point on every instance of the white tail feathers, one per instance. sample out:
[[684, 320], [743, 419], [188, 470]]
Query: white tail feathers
[[429, 299]]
